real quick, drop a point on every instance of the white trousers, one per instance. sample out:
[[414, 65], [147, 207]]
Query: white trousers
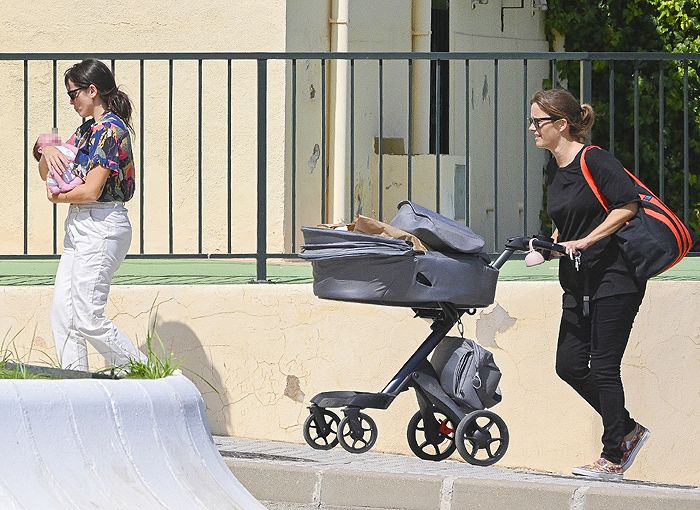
[[96, 241]]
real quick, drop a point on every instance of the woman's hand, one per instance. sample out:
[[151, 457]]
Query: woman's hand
[[55, 159], [573, 248]]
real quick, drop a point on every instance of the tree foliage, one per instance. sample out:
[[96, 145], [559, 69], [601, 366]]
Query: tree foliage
[[671, 26]]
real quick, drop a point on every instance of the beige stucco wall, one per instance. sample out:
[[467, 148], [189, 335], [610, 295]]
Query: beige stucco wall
[[157, 26], [253, 342]]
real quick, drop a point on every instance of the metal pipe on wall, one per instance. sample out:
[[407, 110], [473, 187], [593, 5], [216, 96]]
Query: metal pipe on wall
[[339, 84], [420, 42]]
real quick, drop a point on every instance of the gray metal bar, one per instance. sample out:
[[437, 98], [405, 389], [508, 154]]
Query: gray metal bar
[[294, 155], [141, 155], [526, 132], [352, 139], [586, 81], [25, 130], [54, 208], [636, 119], [611, 103], [496, 233], [661, 130], [170, 156], [199, 157], [409, 150], [437, 135], [324, 190], [402, 55], [467, 154], [261, 250], [553, 71], [229, 157], [381, 140], [686, 159]]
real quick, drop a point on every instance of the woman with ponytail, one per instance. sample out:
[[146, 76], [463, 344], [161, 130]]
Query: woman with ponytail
[[97, 228], [601, 295]]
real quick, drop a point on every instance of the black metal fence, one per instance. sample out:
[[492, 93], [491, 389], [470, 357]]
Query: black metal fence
[[630, 77]]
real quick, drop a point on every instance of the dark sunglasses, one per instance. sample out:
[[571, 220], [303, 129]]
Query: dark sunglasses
[[537, 121], [72, 94]]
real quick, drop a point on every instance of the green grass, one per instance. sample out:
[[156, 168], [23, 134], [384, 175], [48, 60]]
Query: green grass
[[156, 366]]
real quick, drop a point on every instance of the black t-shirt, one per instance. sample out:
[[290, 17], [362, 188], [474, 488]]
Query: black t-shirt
[[576, 212]]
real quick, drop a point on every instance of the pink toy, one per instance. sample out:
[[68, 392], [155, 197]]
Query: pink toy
[[533, 257], [69, 180]]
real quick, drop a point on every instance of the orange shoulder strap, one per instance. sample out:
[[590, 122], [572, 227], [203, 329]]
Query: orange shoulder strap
[[589, 178]]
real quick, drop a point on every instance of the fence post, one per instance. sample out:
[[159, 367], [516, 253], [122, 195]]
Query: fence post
[[261, 251], [586, 91]]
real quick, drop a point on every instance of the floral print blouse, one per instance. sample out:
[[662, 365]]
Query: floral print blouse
[[107, 143]]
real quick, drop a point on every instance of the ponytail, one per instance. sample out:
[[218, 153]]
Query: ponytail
[[120, 104]]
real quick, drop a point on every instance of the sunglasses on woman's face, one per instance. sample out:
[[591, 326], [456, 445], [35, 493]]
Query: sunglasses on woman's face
[[537, 121], [72, 94]]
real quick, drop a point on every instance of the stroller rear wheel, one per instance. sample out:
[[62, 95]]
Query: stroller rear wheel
[[322, 436], [436, 441], [482, 438], [357, 432]]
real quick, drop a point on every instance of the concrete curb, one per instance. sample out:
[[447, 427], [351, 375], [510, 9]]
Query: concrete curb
[[111, 444], [291, 479]]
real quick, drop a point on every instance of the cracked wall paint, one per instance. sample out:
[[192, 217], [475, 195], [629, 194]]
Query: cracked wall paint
[[489, 323]]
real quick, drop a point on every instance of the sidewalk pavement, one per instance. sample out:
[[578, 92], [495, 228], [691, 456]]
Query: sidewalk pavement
[[296, 477]]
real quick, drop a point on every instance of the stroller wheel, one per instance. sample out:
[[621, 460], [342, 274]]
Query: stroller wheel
[[431, 443], [482, 438], [357, 433], [322, 436]]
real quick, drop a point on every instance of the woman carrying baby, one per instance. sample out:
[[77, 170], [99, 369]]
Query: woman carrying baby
[[97, 228]]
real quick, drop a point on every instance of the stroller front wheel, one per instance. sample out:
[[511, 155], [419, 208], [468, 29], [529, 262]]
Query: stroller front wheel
[[322, 436], [482, 438], [357, 432]]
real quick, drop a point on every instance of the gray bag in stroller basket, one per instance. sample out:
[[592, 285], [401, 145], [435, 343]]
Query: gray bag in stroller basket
[[467, 372]]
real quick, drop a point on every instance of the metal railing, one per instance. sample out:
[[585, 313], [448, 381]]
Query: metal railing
[[461, 130]]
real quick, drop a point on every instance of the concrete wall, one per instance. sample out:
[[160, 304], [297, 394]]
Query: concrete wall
[[266, 350]]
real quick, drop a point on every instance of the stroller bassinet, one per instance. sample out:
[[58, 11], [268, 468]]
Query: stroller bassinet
[[353, 266]]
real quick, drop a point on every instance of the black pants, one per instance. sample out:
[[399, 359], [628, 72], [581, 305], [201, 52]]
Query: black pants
[[589, 354]]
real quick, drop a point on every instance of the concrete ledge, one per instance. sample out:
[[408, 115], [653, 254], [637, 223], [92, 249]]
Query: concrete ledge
[[111, 444], [295, 477], [497, 494]]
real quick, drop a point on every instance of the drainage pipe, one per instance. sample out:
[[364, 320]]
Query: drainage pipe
[[339, 80], [420, 37]]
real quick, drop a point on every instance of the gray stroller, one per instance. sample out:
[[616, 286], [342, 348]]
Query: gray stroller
[[453, 278]]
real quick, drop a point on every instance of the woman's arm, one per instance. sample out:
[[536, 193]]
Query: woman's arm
[[615, 219], [86, 193]]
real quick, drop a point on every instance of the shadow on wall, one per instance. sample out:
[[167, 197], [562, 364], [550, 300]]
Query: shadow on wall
[[195, 362]]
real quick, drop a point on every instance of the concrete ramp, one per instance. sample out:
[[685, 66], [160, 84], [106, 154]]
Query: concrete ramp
[[111, 444]]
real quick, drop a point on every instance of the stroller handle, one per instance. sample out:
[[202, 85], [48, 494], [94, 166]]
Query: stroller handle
[[523, 244]]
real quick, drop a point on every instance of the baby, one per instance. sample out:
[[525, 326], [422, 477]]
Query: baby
[[68, 180]]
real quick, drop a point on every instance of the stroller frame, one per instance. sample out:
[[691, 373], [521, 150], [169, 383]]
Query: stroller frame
[[470, 436]]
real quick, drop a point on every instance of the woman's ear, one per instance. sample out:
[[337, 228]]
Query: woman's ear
[[563, 124], [92, 91]]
